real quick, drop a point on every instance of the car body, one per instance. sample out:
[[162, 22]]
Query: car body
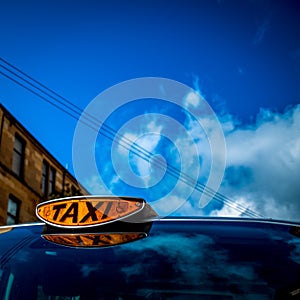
[[152, 258]]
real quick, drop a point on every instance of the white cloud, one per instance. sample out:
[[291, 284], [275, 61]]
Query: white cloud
[[262, 171], [192, 99], [143, 166], [122, 140], [263, 165], [237, 208], [95, 186]]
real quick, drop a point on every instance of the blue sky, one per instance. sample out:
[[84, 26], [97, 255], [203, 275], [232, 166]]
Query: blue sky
[[243, 57]]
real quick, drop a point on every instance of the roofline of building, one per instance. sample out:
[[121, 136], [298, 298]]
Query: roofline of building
[[36, 142]]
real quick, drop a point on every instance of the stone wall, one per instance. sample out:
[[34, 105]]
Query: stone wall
[[27, 189]]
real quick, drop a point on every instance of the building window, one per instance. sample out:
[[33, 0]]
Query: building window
[[48, 179], [18, 156], [45, 176], [13, 210], [52, 174], [75, 191]]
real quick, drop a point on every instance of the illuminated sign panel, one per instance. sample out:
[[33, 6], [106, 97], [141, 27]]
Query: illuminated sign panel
[[87, 211]]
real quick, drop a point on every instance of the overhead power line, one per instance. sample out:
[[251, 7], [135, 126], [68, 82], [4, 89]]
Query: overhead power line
[[51, 97]]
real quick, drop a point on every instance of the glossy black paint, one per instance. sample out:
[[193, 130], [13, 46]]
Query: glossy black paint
[[180, 259]]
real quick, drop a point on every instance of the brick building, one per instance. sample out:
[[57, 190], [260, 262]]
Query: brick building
[[29, 174]]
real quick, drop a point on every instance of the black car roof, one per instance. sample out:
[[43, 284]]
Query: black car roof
[[187, 257]]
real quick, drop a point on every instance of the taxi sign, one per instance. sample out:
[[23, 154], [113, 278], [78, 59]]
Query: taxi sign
[[94, 240], [87, 211]]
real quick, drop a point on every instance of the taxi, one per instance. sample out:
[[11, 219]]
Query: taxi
[[119, 248]]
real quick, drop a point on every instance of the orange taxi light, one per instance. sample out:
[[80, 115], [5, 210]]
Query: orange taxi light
[[93, 240], [87, 211]]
